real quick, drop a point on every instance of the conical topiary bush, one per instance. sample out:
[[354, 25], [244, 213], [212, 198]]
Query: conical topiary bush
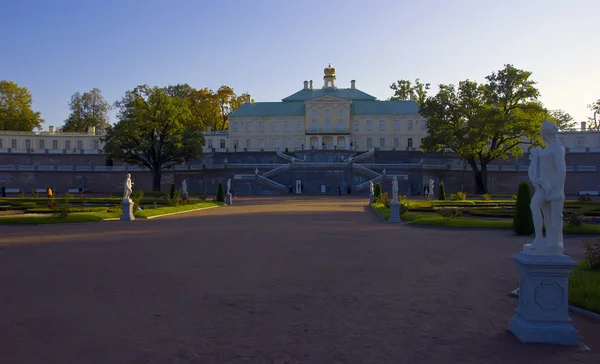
[[377, 190], [172, 192], [220, 193], [523, 221], [441, 192]]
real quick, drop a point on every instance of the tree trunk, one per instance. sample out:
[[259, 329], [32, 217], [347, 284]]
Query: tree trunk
[[156, 176], [480, 177]]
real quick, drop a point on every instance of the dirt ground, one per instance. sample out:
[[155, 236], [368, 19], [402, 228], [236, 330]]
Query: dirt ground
[[267, 280]]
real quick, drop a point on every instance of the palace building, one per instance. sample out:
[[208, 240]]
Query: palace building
[[326, 117]]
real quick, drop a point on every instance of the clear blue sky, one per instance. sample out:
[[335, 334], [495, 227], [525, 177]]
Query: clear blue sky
[[269, 47]]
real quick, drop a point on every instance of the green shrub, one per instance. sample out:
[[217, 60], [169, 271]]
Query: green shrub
[[458, 196], [220, 193], [377, 190], [523, 221], [286, 150], [172, 192], [574, 219], [383, 199], [514, 197], [592, 253], [176, 200], [449, 213], [137, 197], [61, 212], [486, 197], [584, 198], [441, 192]]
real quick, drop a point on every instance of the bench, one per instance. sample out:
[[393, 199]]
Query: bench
[[74, 190], [41, 190], [13, 190], [590, 193]]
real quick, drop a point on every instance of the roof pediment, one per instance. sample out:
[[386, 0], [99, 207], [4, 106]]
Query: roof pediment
[[328, 99]]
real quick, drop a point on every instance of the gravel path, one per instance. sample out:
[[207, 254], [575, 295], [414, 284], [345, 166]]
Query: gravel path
[[268, 280]]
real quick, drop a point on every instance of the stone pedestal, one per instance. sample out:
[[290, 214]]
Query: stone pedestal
[[394, 212], [371, 198], [228, 199], [543, 312], [127, 214]]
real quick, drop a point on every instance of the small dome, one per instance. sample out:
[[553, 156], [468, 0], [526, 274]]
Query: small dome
[[329, 71]]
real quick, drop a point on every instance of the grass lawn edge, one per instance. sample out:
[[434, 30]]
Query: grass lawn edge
[[180, 212], [376, 212]]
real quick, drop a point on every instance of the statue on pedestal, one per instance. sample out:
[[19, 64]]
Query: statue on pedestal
[[431, 187], [128, 188], [394, 190], [256, 171], [547, 172], [229, 186], [184, 190], [371, 188]]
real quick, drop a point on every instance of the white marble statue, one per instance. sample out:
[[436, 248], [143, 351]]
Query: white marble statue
[[128, 188], [547, 172], [229, 186], [184, 190], [293, 159], [256, 171], [394, 189], [371, 188], [431, 187]]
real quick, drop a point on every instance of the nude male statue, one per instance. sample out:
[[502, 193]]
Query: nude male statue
[[128, 187], [548, 172]]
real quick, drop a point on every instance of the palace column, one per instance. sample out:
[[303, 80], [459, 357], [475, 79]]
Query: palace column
[[307, 142], [346, 142], [320, 142]]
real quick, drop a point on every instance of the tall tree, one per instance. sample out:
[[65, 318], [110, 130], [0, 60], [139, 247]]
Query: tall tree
[[15, 108], [481, 123], [155, 130], [89, 109], [563, 119], [404, 88], [595, 118], [227, 101]]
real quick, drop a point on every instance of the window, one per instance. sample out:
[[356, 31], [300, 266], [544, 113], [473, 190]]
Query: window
[[234, 126], [355, 125], [275, 143], [423, 124], [580, 141], [299, 126], [68, 144], [96, 145], [410, 142], [28, 144], [248, 126], [341, 124], [396, 124], [410, 125], [327, 125], [55, 144], [235, 144], [261, 126], [1, 144], [13, 143], [274, 126], [42, 144], [355, 143], [381, 125], [288, 127], [299, 143], [369, 125], [369, 143], [79, 145], [396, 142], [288, 142], [209, 143], [222, 143], [327, 113], [562, 141], [313, 125], [261, 143], [341, 112], [248, 143], [381, 142], [314, 113]]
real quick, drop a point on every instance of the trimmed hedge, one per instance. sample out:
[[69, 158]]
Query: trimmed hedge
[[377, 190], [441, 192], [220, 193], [523, 221]]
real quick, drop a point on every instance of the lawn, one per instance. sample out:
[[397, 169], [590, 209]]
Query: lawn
[[41, 214], [584, 288], [434, 219]]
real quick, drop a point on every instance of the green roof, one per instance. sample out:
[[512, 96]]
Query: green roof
[[342, 93], [395, 107], [270, 109]]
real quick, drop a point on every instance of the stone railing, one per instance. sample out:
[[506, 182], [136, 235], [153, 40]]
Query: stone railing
[[363, 169], [270, 182], [274, 171], [284, 156]]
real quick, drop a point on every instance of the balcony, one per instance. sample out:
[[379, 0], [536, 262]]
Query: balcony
[[327, 131]]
